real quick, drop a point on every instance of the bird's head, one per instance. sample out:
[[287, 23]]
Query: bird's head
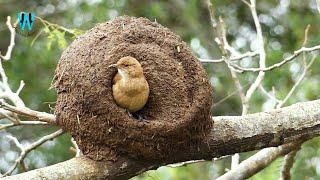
[[128, 67]]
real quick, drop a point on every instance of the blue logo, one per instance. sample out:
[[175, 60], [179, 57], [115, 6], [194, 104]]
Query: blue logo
[[26, 18]]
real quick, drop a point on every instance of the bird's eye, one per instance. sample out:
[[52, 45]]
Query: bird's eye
[[126, 65]]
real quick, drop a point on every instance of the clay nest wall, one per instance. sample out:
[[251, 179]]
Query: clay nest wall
[[178, 108]]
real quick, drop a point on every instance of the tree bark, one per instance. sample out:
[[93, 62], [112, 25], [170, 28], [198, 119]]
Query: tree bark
[[231, 134]]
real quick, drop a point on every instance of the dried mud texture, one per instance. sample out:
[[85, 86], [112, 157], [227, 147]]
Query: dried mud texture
[[178, 108]]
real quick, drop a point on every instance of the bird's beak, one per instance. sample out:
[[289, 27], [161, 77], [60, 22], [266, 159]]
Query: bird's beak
[[113, 65]]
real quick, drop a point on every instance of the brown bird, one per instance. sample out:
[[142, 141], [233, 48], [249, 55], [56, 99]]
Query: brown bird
[[130, 87]]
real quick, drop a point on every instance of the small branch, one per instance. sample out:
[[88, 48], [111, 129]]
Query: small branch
[[11, 112], [261, 160], [257, 162], [261, 50], [4, 84], [232, 58], [246, 2], [184, 163], [228, 96], [289, 159], [306, 67], [264, 157], [31, 123], [219, 30], [12, 43], [235, 160], [25, 150], [22, 84], [56, 26], [235, 78], [6, 93], [10, 116], [288, 163], [24, 111], [283, 62], [77, 149], [269, 95]]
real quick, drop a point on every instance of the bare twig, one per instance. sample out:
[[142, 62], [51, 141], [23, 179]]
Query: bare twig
[[245, 98], [269, 95], [306, 67], [262, 162], [246, 2], [219, 30], [5, 90], [12, 118], [261, 50], [262, 62], [184, 163], [10, 111], [232, 58], [56, 26], [12, 43], [228, 96], [234, 75], [289, 158], [22, 84], [77, 149], [25, 150], [18, 107], [24, 111], [262, 59], [288, 163], [220, 33], [283, 62], [32, 123], [270, 152], [257, 162]]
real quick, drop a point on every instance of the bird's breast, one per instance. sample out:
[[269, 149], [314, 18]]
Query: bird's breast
[[131, 94], [133, 86]]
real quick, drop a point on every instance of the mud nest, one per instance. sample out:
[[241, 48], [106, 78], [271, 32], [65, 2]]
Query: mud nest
[[178, 108]]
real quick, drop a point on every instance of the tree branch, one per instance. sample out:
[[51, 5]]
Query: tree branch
[[231, 134], [288, 163], [12, 43], [256, 163], [232, 58], [31, 123], [281, 63], [24, 111], [25, 150]]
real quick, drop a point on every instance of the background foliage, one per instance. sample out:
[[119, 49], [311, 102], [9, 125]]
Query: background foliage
[[283, 22]]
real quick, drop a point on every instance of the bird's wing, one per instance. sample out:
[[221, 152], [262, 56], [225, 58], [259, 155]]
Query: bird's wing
[[116, 78]]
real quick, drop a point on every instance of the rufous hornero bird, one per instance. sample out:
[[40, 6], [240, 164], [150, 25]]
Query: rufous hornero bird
[[130, 88]]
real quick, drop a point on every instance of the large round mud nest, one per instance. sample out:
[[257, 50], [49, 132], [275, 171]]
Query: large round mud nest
[[178, 108]]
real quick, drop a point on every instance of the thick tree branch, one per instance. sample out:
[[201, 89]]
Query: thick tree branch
[[231, 134]]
